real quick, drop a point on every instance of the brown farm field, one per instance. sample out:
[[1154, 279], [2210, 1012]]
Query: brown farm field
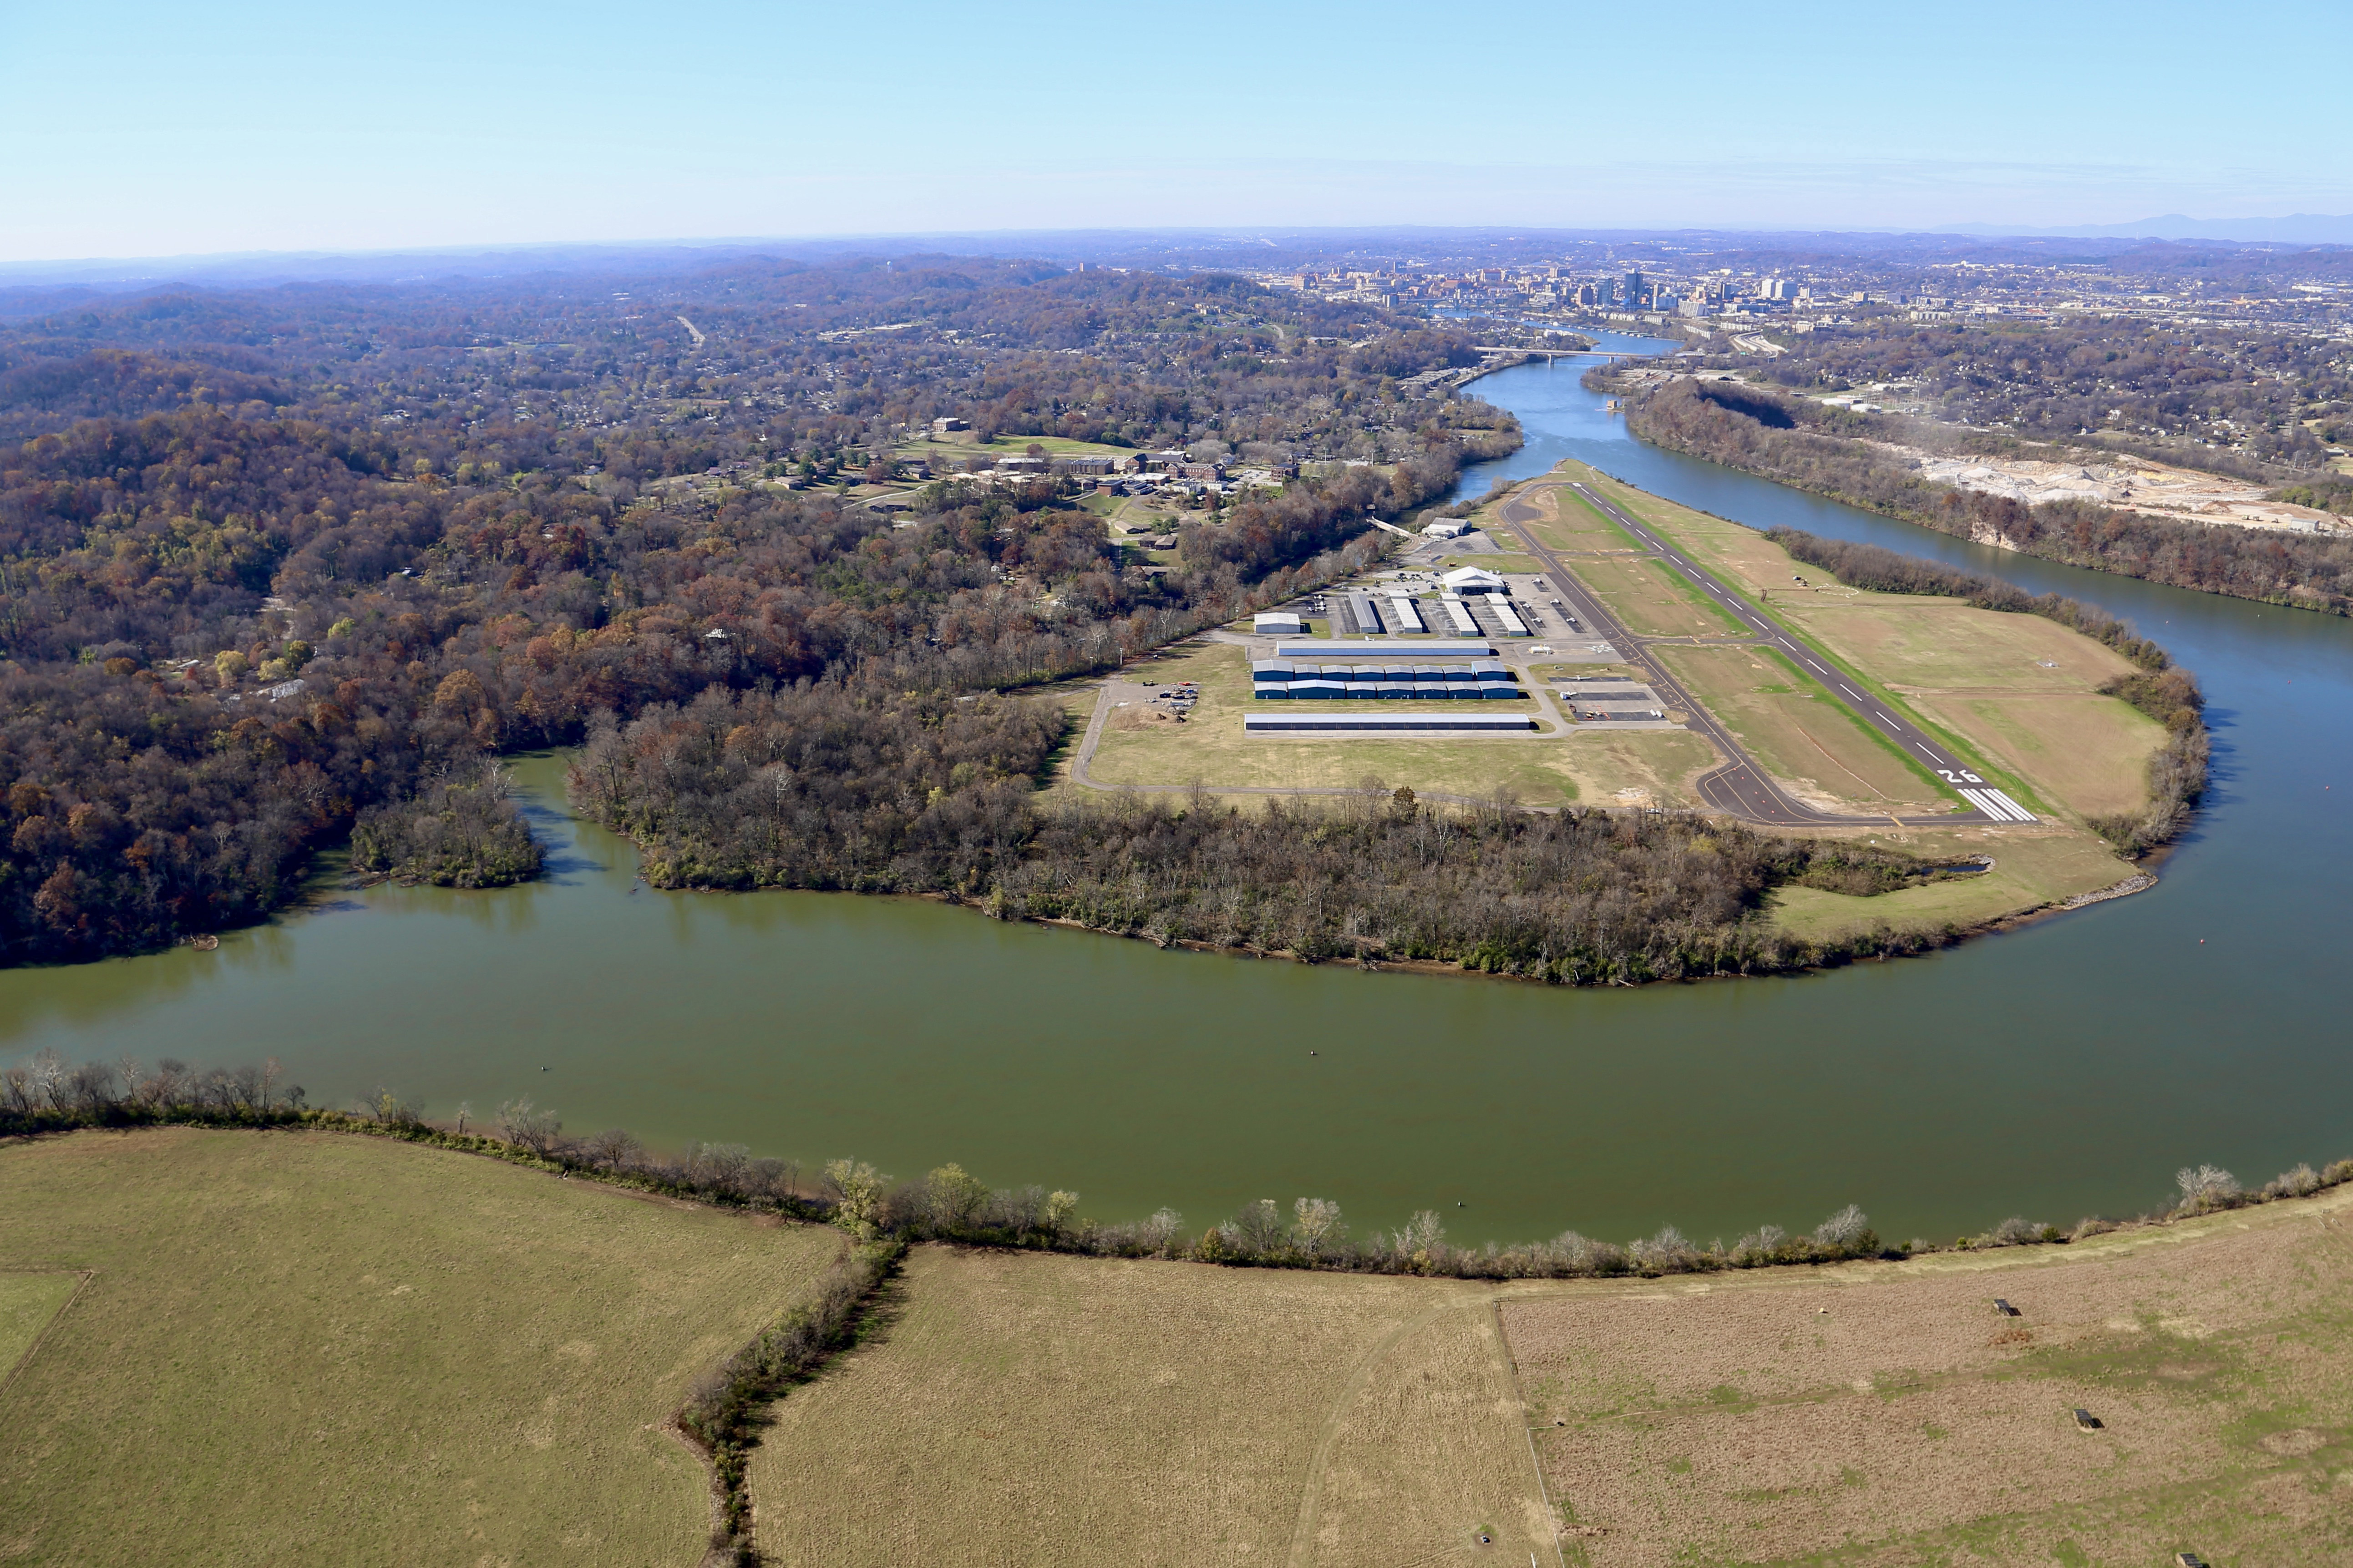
[[1033, 1408], [1062, 1410], [1885, 1414], [317, 1348]]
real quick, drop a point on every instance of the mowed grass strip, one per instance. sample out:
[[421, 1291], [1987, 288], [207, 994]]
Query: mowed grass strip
[[1027, 1409], [1803, 737], [313, 1348], [2087, 751], [1567, 520], [1652, 599], [1887, 1415]]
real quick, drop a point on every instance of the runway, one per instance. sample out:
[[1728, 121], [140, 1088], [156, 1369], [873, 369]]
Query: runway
[[1740, 787]]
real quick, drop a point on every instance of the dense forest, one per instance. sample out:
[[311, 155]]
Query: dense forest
[[1836, 452], [284, 566]]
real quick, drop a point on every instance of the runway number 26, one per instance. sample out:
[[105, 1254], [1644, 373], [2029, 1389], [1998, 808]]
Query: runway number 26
[[1963, 776]]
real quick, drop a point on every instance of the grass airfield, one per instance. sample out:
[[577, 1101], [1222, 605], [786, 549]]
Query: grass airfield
[[2016, 692]]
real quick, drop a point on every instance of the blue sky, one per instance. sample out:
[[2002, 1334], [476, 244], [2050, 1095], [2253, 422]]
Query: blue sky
[[137, 128]]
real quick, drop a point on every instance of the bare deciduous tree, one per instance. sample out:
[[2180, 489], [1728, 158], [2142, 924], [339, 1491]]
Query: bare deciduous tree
[[1844, 1229], [523, 1123], [2206, 1187], [1316, 1222]]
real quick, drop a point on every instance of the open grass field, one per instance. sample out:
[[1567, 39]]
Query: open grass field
[[2033, 867], [952, 450], [1802, 736], [1568, 521], [1059, 1410], [313, 1348], [1884, 1415], [2088, 752], [27, 1304], [1601, 767], [1652, 599]]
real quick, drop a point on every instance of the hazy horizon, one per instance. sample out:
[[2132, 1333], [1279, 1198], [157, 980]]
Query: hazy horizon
[[143, 131]]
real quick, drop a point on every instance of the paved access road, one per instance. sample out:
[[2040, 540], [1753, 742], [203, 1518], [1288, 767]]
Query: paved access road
[[1740, 787]]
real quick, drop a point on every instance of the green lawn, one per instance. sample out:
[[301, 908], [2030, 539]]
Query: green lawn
[[2029, 872], [319, 1348], [28, 1303]]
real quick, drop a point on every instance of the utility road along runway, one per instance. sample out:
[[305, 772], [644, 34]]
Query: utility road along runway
[[1740, 787]]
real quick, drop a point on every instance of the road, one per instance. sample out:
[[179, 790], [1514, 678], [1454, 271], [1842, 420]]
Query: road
[[1741, 787]]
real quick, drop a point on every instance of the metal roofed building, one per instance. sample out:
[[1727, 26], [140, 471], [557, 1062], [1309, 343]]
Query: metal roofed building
[[1386, 652], [1473, 580], [1293, 723]]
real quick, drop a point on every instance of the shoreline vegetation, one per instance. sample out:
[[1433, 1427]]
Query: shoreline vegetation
[[1574, 897], [883, 1217], [1831, 452], [2162, 689], [462, 830], [50, 1097]]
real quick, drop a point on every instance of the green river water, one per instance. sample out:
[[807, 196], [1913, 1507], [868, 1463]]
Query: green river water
[[2064, 1069]]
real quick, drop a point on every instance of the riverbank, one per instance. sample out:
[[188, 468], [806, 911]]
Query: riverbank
[[1848, 457]]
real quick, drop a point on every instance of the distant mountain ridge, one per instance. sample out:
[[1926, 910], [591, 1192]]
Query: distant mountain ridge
[[2296, 228]]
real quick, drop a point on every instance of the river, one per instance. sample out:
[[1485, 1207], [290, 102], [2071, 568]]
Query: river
[[2061, 1070]]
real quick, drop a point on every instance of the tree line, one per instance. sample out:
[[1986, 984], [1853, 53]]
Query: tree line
[[812, 787], [1799, 442]]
